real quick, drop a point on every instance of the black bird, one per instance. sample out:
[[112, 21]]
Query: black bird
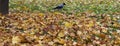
[[60, 6]]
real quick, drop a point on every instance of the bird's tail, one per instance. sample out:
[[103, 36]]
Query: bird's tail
[[54, 8]]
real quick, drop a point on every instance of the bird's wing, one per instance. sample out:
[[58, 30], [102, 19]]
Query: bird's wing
[[59, 6]]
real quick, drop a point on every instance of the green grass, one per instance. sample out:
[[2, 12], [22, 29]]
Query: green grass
[[73, 6]]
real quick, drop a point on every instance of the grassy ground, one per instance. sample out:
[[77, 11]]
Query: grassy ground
[[73, 6]]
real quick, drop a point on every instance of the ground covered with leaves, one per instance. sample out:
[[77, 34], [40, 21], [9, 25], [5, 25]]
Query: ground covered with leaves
[[54, 29]]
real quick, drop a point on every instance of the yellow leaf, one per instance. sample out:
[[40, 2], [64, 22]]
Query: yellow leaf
[[51, 43], [114, 18], [117, 41], [61, 34], [16, 39], [105, 31], [68, 25], [116, 24], [57, 13], [90, 24], [61, 41], [23, 45], [41, 14]]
